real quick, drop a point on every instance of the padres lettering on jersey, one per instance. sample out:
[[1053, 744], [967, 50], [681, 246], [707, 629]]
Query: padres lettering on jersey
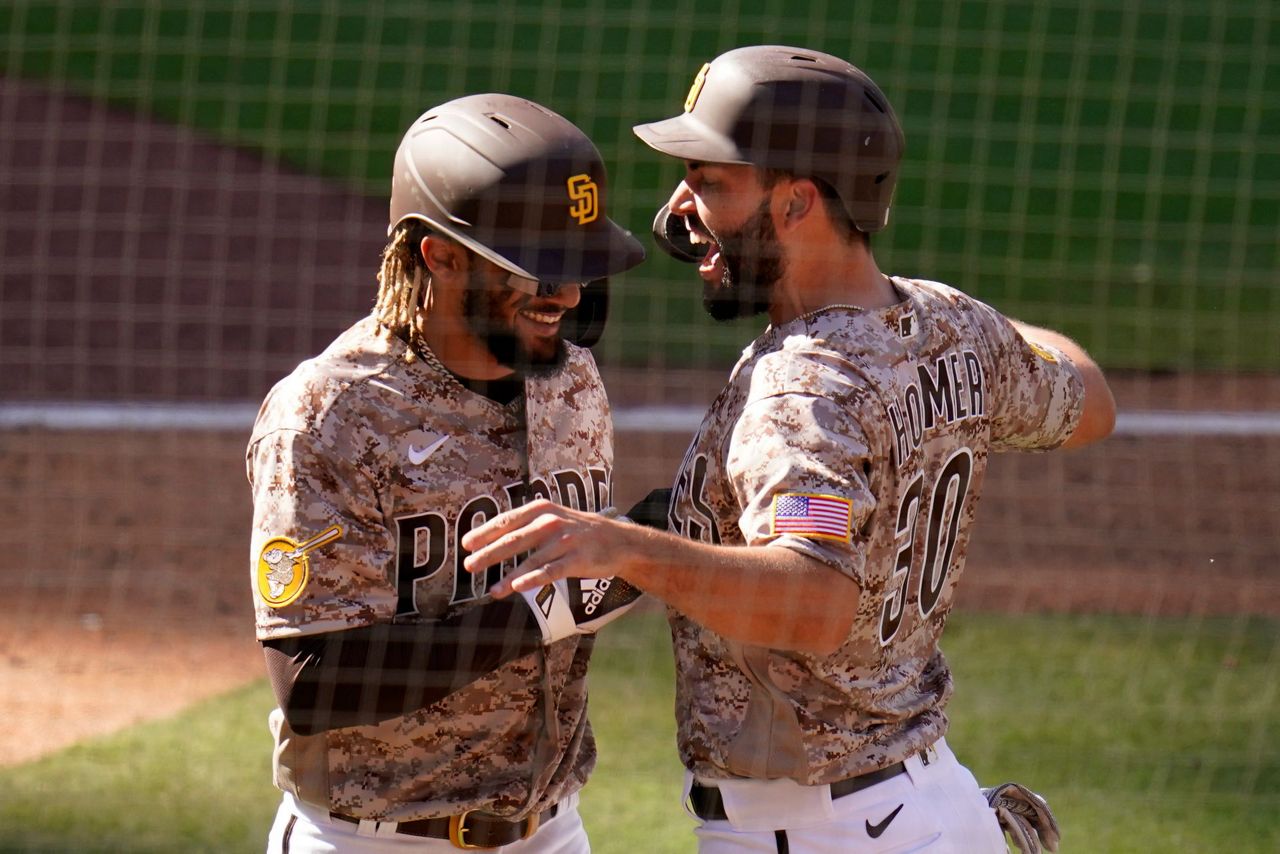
[[690, 515], [425, 540]]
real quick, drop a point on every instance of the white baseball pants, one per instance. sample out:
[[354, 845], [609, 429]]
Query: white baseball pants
[[936, 808]]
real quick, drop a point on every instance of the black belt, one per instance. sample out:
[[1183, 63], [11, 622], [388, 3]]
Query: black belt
[[470, 830], [708, 806]]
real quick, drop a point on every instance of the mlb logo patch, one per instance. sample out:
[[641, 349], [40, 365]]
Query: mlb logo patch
[[907, 326]]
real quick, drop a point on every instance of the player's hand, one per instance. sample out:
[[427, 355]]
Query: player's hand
[[561, 542]]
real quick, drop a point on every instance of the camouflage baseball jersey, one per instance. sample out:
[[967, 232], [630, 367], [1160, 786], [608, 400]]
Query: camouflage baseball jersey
[[859, 438], [367, 469]]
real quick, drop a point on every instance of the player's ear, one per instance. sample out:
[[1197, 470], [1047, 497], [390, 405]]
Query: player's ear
[[802, 197], [445, 258]]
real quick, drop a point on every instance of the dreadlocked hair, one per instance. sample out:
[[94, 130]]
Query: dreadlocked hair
[[404, 285]]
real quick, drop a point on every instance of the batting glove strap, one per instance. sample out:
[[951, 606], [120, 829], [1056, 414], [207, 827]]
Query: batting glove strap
[[579, 606], [1025, 816]]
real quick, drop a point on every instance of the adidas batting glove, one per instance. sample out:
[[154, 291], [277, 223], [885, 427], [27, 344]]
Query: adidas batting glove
[[579, 606]]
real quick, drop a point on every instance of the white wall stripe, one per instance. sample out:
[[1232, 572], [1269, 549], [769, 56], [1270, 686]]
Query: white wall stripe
[[129, 416], [1156, 423], [649, 419]]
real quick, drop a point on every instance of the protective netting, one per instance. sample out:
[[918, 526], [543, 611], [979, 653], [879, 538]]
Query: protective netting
[[193, 199]]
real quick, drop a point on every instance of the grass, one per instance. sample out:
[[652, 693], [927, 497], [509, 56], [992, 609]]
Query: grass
[[200, 781], [1103, 169], [1146, 735]]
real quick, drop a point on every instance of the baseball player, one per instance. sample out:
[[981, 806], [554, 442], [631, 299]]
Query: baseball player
[[415, 712], [819, 521]]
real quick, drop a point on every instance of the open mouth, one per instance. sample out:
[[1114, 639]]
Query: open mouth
[[686, 238], [711, 267], [546, 322]]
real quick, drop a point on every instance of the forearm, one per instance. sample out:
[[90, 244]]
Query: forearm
[[370, 674], [767, 596]]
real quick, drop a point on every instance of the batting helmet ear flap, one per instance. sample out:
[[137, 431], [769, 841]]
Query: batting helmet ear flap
[[585, 324], [672, 236]]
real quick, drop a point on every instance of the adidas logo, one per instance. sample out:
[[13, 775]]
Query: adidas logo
[[593, 590]]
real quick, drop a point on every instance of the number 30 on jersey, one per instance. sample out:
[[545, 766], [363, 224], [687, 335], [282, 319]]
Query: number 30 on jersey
[[945, 502]]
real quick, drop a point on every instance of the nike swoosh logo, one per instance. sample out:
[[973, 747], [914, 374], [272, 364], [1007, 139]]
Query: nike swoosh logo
[[875, 830], [418, 456]]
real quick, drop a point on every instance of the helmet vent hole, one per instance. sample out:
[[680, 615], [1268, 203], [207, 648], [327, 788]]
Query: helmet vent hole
[[800, 58], [500, 121], [881, 177], [874, 102]]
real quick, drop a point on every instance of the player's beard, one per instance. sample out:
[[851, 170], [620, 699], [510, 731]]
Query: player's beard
[[753, 264], [483, 306]]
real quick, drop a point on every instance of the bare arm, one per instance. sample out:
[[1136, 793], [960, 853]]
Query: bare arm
[[1099, 416], [759, 595]]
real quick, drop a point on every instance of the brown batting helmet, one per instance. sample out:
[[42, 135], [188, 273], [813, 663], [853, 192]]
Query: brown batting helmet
[[796, 110], [516, 183]]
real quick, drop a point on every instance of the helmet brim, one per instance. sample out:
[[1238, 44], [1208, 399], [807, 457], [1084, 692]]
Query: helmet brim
[[687, 138], [600, 251]]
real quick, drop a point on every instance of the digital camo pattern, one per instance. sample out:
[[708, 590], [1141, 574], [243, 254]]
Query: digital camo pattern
[[406, 460], [895, 411]]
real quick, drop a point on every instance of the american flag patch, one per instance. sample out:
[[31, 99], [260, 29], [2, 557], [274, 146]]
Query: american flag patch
[[813, 515]]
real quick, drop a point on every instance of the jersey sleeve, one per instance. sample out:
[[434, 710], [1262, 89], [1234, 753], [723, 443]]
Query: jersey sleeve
[[320, 548], [797, 462], [1037, 394]]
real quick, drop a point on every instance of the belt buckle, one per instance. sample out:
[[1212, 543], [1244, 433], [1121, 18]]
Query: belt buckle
[[458, 831]]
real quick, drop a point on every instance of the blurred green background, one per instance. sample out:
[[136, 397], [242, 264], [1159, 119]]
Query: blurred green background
[[1108, 168]]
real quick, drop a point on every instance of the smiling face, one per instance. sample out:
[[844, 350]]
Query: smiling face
[[519, 329], [481, 321], [728, 209]]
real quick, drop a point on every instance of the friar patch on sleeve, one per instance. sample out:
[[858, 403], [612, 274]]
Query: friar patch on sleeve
[[808, 515], [284, 568]]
